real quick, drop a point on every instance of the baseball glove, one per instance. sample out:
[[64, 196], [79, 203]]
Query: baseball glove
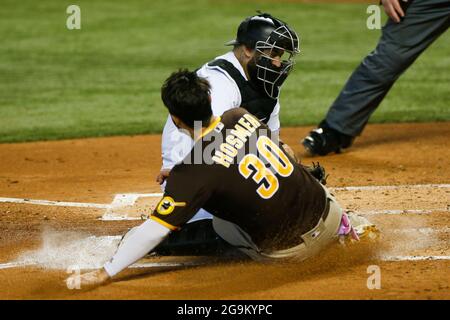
[[318, 172]]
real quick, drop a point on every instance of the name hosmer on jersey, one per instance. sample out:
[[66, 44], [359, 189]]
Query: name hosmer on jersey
[[225, 148], [235, 140]]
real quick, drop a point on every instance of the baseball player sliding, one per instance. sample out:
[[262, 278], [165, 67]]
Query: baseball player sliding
[[263, 202], [250, 76]]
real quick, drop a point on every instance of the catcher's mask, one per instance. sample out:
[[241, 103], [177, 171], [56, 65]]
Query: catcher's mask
[[276, 45]]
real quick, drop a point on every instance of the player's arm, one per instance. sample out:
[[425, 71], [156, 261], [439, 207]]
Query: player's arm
[[174, 147], [137, 243], [274, 120], [184, 196]]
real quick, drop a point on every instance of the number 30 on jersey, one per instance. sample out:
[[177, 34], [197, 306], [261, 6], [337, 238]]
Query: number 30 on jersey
[[264, 177]]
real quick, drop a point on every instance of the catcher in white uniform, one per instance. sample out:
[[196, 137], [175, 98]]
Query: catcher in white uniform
[[250, 76]]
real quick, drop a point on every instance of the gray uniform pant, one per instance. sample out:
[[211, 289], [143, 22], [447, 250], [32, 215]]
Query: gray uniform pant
[[315, 240], [399, 46]]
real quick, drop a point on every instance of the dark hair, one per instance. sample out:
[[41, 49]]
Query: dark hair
[[186, 95]]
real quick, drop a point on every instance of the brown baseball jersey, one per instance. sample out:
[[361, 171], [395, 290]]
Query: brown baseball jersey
[[237, 172]]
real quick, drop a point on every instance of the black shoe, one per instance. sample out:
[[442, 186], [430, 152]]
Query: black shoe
[[324, 140]]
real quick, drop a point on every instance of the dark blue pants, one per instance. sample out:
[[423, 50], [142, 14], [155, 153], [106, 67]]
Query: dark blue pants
[[399, 46]]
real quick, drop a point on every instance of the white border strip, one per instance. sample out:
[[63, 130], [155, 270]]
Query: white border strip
[[129, 199], [414, 258], [11, 265], [401, 186], [114, 217], [125, 200], [123, 217], [144, 265], [56, 203], [394, 212]]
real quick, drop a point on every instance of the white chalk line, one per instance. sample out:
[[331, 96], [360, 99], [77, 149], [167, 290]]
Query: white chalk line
[[415, 258], [11, 265], [55, 203], [401, 186], [120, 200], [123, 200], [399, 212], [113, 217], [129, 199], [424, 230], [118, 217], [149, 265]]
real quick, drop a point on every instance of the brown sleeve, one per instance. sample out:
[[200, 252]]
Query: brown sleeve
[[185, 194]]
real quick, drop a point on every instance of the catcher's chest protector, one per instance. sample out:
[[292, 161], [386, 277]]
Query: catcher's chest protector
[[253, 101]]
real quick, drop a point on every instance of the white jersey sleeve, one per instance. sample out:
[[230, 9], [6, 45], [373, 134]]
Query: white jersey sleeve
[[274, 120], [225, 95], [175, 145]]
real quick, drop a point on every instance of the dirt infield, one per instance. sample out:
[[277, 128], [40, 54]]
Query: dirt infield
[[413, 214]]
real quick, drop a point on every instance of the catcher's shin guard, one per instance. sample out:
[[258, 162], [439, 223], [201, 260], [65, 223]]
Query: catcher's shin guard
[[195, 239]]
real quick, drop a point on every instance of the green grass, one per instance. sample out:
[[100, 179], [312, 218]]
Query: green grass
[[105, 78]]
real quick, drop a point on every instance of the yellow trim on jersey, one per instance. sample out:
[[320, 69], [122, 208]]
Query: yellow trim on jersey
[[172, 204], [165, 224], [210, 127]]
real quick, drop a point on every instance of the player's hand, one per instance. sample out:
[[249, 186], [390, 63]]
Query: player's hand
[[89, 279], [393, 9], [162, 176]]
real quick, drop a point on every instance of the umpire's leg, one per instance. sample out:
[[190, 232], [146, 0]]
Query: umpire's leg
[[398, 47]]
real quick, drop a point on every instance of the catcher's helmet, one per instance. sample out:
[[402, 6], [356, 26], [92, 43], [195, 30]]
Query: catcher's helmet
[[270, 37]]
